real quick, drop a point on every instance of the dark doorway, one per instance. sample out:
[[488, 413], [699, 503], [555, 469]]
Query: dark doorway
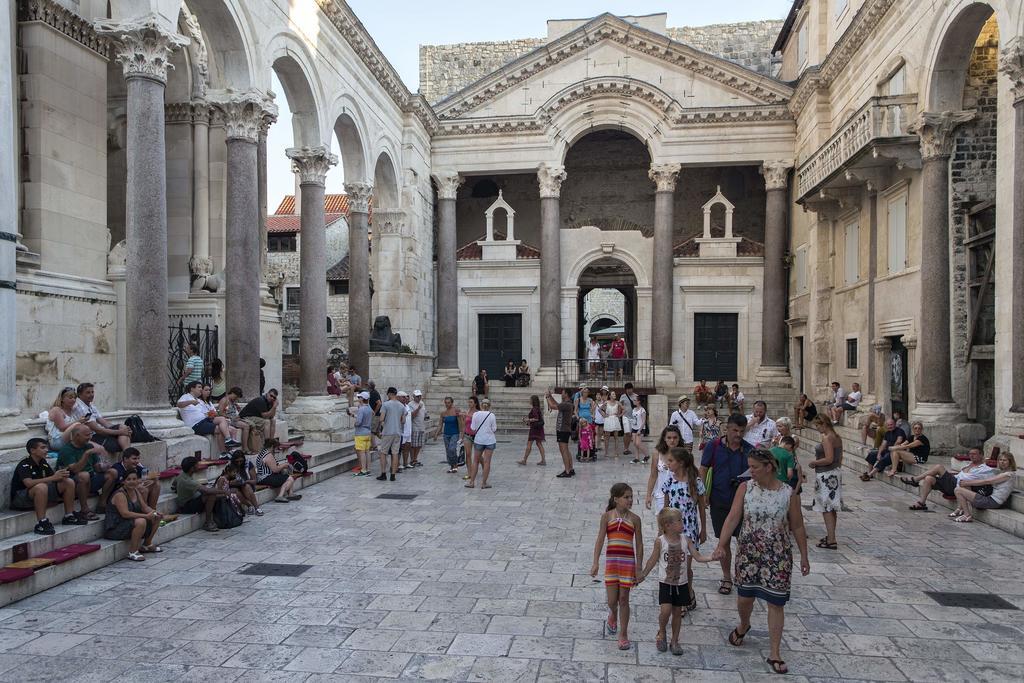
[[607, 273], [501, 340], [898, 376], [715, 346]]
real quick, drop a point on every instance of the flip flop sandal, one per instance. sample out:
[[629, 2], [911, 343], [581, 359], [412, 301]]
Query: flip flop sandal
[[151, 549], [486, 486], [918, 506], [736, 638], [823, 543], [778, 666], [725, 587], [955, 513], [910, 481], [624, 644], [610, 626], [470, 486], [542, 464], [964, 519]]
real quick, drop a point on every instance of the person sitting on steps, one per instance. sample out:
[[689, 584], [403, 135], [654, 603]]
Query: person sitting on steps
[[915, 450], [937, 477], [35, 486], [969, 496], [880, 459], [276, 475], [194, 497]]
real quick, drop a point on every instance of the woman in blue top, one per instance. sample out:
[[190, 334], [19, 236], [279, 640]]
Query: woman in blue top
[[451, 424], [585, 405]]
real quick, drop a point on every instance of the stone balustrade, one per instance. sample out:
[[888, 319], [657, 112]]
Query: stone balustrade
[[880, 118]]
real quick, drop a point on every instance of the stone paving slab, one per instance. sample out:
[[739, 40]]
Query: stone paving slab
[[472, 585]]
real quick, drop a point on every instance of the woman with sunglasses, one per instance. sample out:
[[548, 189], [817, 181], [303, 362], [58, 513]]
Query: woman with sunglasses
[[58, 419]]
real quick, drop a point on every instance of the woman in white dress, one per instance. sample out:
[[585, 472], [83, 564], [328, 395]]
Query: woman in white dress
[[670, 438], [612, 421]]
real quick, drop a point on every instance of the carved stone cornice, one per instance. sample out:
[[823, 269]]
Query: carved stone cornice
[[359, 197], [448, 183], [608, 27], [936, 131], [664, 176], [389, 222], [550, 180], [143, 45], [243, 112], [64, 21], [187, 112], [864, 23], [776, 174], [1011, 63], [311, 164]]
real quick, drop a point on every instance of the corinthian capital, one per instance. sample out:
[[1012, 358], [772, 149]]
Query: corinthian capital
[[311, 163], [244, 112], [448, 183], [936, 131], [359, 196], [1011, 63], [550, 179], [142, 45], [775, 174], [664, 176]]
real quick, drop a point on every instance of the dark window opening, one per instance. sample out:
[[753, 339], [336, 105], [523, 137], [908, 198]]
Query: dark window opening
[[851, 354], [484, 189], [281, 242], [339, 287]]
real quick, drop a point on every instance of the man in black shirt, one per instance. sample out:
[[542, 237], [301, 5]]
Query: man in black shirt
[[259, 413], [36, 486], [882, 458]]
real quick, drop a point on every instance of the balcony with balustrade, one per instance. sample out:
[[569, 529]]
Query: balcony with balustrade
[[864, 149]]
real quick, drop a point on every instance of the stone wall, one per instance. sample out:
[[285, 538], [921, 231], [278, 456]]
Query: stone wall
[[446, 69], [973, 181]]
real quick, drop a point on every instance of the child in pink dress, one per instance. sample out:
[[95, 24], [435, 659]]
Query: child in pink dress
[[586, 431]]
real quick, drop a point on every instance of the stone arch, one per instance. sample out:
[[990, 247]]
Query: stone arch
[[230, 45], [385, 183], [588, 258], [953, 37], [350, 130], [570, 124], [302, 89]]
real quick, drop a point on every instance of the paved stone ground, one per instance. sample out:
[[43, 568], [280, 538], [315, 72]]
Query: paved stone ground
[[476, 585]]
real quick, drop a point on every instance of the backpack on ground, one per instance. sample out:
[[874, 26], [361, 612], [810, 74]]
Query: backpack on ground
[[225, 516], [139, 432]]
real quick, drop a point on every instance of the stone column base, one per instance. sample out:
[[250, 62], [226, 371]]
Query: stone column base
[[544, 378], [657, 414], [448, 374], [13, 433], [773, 375], [320, 418], [664, 376]]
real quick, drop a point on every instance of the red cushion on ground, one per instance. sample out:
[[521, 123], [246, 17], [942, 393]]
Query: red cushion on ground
[[59, 556], [81, 548], [12, 575], [169, 474]]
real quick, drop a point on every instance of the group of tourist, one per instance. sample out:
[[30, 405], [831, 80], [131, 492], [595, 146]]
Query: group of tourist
[[613, 356]]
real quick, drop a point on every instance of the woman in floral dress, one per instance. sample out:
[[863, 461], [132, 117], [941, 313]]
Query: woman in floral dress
[[769, 512]]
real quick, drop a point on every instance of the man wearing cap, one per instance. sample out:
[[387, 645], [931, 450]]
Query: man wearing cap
[[392, 417], [362, 429], [686, 420], [418, 412]]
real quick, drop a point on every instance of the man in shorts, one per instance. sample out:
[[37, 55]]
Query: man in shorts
[[392, 418], [629, 400], [938, 478], [82, 459], [563, 429], [727, 459], [406, 446], [418, 412], [35, 486], [194, 497], [261, 416]]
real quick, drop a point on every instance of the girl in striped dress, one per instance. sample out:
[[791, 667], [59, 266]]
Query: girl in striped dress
[[625, 551]]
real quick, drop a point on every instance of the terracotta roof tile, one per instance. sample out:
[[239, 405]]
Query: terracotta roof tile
[[333, 203], [472, 251], [292, 223], [339, 271]]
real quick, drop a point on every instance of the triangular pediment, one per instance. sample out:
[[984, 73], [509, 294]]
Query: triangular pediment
[[611, 55]]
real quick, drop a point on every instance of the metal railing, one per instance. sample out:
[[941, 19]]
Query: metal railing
[[880, 117], [203, 338], [572, 372]]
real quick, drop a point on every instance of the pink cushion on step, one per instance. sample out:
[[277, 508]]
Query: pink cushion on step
[[12, 575]]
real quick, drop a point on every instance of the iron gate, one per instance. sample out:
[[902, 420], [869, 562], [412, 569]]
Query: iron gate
[[203, 338]]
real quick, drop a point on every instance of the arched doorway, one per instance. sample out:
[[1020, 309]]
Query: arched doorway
[[606, 304]]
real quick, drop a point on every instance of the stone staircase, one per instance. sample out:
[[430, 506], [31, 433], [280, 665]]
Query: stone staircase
[[1009, 518], [326, 460]]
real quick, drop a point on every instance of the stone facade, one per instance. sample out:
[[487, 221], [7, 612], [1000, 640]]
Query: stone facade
[[446, 69]]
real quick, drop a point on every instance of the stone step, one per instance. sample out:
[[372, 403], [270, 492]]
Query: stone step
[[1009, 518], [113, 551]]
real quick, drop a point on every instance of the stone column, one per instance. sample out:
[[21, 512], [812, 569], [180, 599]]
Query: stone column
[[550, 179], [1011, 63], [311, 164], [447, 275], [200, 265], [9, 404], [143, 47], [261, 193], [664, 177], [932, 372], [243, 114], [359, 276], [773, 307]]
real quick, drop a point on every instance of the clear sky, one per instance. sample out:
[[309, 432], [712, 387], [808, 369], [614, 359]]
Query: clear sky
[[400, 27]]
